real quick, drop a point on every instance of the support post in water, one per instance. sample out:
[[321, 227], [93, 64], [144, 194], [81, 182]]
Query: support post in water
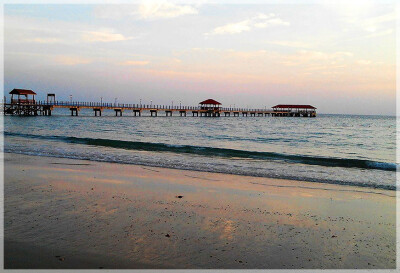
[[74, 111], [97, 110], [118, 112]]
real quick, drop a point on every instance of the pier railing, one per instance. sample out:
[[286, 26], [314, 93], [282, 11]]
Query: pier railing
[[145, 106], [30, 107]]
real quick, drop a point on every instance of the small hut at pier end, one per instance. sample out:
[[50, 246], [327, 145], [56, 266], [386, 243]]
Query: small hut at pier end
[[296, 110], [25, 93]]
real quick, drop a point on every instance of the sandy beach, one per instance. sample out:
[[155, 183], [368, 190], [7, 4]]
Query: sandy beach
[[63, 213]]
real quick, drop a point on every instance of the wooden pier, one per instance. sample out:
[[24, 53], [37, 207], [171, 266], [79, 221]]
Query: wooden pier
[[207, 108]]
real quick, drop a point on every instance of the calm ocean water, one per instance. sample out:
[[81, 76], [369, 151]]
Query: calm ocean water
[[339, 149]]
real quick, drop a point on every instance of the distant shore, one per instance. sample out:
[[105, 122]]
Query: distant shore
[[71, 214]]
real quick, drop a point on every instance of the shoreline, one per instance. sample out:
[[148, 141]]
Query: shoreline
[[318, 181], [220, 220]]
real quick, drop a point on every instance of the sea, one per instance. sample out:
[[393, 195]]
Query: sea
[[335, 149]]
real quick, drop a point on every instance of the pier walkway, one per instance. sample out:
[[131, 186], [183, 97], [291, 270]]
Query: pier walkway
[[46, 108], [27, 106]]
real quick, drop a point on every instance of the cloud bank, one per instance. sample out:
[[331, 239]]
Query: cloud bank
[[259, 21], [147, 11]]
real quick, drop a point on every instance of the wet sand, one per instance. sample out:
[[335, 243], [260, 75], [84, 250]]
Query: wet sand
[[63, 213]]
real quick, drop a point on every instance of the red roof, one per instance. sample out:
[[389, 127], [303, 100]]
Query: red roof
[[22, 92], [210, 101], [296, 106]]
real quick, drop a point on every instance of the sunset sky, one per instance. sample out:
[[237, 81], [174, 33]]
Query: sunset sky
[[339, 58]]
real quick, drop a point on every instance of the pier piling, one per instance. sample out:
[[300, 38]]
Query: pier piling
[[97, 110], [74, 111], [118, 112]]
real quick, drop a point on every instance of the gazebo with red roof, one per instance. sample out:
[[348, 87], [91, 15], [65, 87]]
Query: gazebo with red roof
[[292, 106], [22, 92], [296, 109], [210, 104]]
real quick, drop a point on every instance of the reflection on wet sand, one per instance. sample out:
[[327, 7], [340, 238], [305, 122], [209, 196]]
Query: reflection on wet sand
[[219, 221]]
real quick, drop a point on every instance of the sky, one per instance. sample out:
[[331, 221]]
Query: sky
[[340, 58]]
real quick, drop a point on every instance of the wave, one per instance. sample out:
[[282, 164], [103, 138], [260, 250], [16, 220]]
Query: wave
[[216, 152], [207, 168]]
